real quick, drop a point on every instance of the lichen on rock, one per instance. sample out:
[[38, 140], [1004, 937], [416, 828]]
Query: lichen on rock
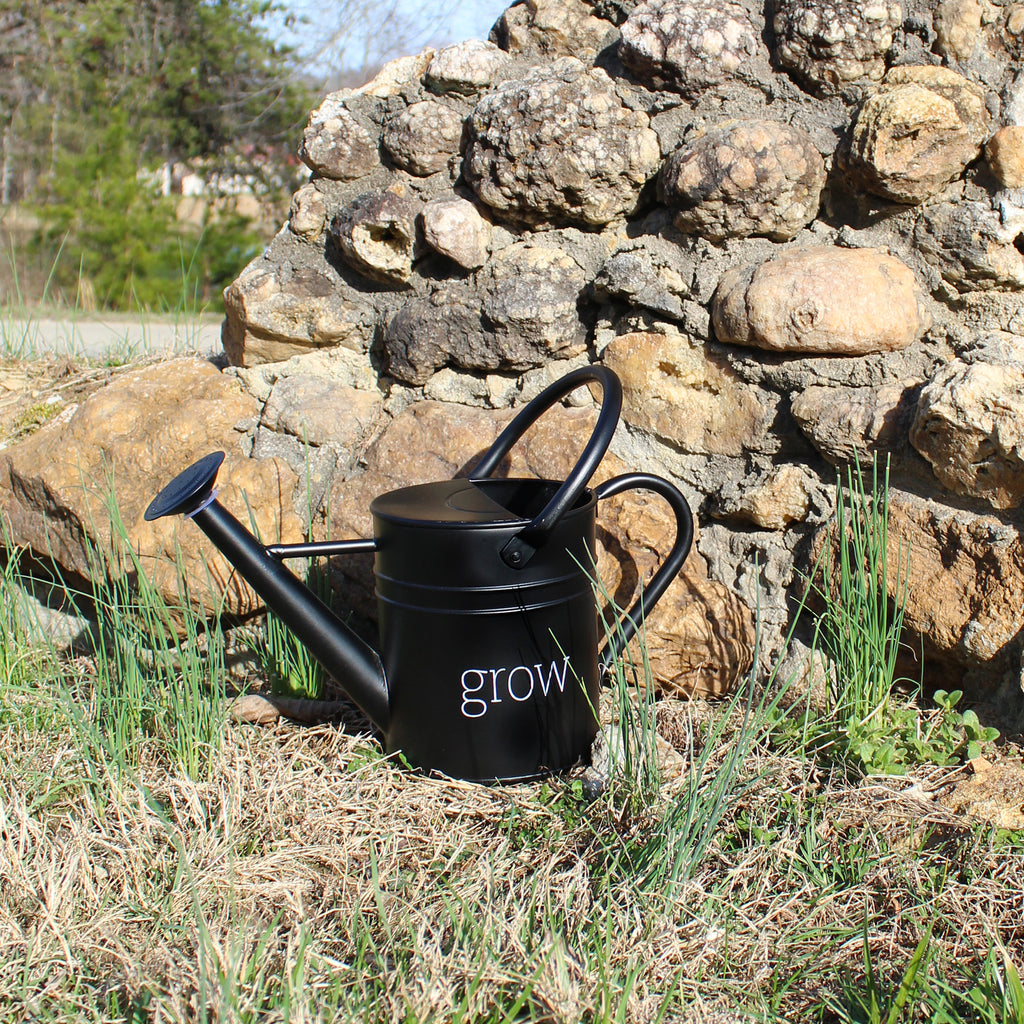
[[830, 44], [741, 178], [560, 147], [687, 46]]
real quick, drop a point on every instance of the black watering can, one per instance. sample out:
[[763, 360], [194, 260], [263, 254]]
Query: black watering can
[[489, 667]]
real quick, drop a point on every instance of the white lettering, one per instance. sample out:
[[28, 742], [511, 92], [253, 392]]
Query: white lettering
[[545, 684], [473, 707], [495, 672], [511, 676], [475, 679]]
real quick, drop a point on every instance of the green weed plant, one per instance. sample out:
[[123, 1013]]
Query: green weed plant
[[867, 721]]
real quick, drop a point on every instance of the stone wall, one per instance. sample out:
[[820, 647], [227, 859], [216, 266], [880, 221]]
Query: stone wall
[[796, 232]]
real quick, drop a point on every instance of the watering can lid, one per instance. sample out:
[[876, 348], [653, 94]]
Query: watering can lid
[[468, 502]]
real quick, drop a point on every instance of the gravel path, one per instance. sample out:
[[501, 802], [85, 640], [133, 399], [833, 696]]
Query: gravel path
[[115, 337]]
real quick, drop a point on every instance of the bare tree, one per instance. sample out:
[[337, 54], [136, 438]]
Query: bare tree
[[345, 42]]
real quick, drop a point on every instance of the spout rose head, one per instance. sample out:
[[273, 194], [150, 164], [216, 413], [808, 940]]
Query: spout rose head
[[188, 491]]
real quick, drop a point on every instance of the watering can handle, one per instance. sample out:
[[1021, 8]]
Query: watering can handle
[[521, 548], [625, 629]]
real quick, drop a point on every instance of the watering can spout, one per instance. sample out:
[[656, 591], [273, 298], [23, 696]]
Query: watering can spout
[[354, 664]]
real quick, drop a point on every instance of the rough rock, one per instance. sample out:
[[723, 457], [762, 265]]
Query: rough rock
[[119, 448], [320, 411], [335, 144], [524, 314], [377, 235], [454, 227], [465, 68], [1004, 152], [651, 273], [965, 585], [992, 793], [958, 28], [583, 252], [531, 297], [699, 636], [686, 46], [974, 244], [849, 424], [970, 423], [829, 45], [559, 147], [422, 138], [398, 77], [275, 312], [741, 178], [781, 499], [553, 28], [429, 332], [916, 133], [448, 385], [1012, 34], [821, 299], [682, 394], [307, 216]]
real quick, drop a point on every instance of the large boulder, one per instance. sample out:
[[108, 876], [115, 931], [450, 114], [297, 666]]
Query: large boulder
[[379, 235], [525, 312], [275, 312], [743, 178], [974, 245], [960, 579], [970, 423], [465, 68], [916, 133], [424, 137], [1004, 153], [335, 144], [833, 44], [686, 46], [964, 586], [821, 299], [847, 425], [553, 28], [454, 227], [560, 147], [75, 491], [679, 392]]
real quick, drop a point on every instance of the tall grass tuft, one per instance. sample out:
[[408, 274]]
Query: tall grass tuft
[[634, 770], [861, 627], [160, 673], [156, 672], [866, 722], [678, 831]]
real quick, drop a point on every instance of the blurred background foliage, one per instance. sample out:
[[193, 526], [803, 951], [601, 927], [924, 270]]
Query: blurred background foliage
[[147, 147]]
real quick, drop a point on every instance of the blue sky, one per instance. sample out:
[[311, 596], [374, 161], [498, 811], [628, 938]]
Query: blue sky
[[474, 18], [437, 21]]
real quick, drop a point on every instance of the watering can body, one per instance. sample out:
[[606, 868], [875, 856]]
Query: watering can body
[[492, 671], [489, 666]]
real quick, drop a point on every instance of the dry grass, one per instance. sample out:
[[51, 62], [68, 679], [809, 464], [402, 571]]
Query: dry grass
[[309, 879], [312, 880]]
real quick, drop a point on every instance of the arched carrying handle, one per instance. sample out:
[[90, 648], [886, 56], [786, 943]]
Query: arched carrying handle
[[626, 628], [521, 548]]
